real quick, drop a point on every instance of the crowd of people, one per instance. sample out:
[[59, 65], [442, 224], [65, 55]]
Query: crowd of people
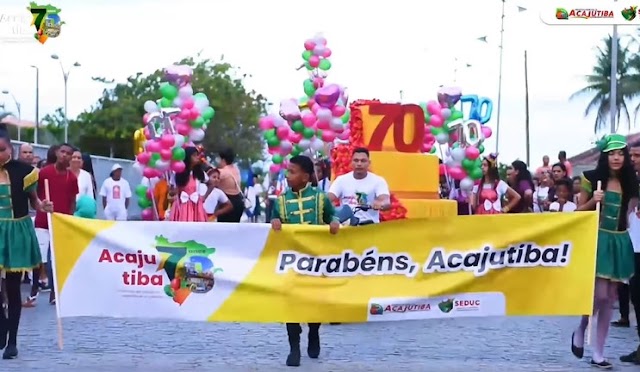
[[305, 194]]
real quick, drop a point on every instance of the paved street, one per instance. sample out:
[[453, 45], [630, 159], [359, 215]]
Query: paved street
[[481, 344]]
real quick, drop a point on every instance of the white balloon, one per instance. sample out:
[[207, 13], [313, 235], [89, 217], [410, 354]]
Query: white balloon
[[201, 104], [196, 135], [177, 102], [324, 114], [317, 144], [305, 112], [138, 167], [151, 107], [336, 124], [442, 138], [450, 162], [304, 144], [466, 184], [286, 146], [278, 121], [162, 165], [458, 154], [186, 91], [179, 139]]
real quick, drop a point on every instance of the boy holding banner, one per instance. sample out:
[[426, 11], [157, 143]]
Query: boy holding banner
[[303, 204]]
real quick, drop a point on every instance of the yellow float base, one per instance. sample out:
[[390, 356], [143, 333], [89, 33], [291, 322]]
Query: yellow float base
[[417, 208], [410, 176]]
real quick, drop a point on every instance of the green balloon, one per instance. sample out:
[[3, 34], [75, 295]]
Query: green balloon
[[165, 102], [308, 87], [308, 66], [295, 152], [435, 131], [208, 113], [155, 156], [433, 150], [273, 141], [297, 126], [199, 96], [277, 159], [475, 173], [141, 190], [468, 164], [477, 163], [152, 161], [308, 133], [455, 115], [306, 55], [198, 123], [325, 65], [481, 148], [269, 133], [168, 91], [319, 133], [178, 154], [346, 117], [144, 203]]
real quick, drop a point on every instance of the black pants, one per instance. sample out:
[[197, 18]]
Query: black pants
[[11, 323], [634, 290], [237, 201], [294, 330], [623, 299]]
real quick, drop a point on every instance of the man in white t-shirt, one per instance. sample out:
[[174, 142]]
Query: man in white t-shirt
[[634, 282], [116, 193], [361, 187]]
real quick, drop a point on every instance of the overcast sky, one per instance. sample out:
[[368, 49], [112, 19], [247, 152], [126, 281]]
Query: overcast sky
[[378, 50]]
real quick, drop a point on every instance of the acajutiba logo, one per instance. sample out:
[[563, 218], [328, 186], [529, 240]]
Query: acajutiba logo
[[376, 309]]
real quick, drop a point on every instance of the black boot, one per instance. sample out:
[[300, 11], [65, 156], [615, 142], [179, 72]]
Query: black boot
[[313, 348], [11, 352], [294, 330], [4, 327]]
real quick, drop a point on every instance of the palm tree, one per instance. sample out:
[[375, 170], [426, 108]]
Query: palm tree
[[599, 83]]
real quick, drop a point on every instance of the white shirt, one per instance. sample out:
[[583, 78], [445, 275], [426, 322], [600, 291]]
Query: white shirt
[[353, 192], [568, 207], [85, 184], [324, 184], [215, 198], [252, 192], [634, 231], [540, 195], [116, 193], [501, 190]]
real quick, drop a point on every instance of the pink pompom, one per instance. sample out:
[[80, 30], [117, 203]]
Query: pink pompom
[[472, 152], [177, 166], [143, 158]]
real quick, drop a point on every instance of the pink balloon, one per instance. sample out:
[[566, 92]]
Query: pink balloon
[[184, 114], [314, 61], [436, 121], [314, 108], [328, 136], [426, 147], [309, 120], [453, 137], [274, 168], [323, 125], [143, 158], [153, 146], [145, 118], [326, 53], [428, 137], [295, 137], [150, 194], [147, 214], [282, 132], [177, 166], [309, 45], [146, 133], [318, 82], [167, 141], [322, 41], [338, 111], [472, 153], [456, 173], [266, 122], [187, 103], [344, 136], [149, 172], [183, 129], [194, 114], [486, 131], [273, 150], [311, 102], [434, 108], [166, 154]]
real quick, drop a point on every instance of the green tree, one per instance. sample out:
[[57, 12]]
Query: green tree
[[107, 129], [599, 83]]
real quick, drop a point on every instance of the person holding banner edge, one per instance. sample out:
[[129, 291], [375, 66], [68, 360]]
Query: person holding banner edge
[[19, 249], [303, 204], [617, 190]]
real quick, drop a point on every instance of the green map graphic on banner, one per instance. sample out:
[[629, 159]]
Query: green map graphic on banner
[[46, 19], [188, 266]]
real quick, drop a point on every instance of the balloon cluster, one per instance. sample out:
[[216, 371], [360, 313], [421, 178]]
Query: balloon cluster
[[316, 119], [447, 125], [173, 122]]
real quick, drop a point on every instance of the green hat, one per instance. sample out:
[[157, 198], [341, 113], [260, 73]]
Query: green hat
[[611, 142]]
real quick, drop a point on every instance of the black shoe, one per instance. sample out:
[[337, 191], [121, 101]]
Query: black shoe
[[335, 323], [602, 365], [622, 323], [578, 352], [11, 352], [293, 359], [313, 348], [629, 358]]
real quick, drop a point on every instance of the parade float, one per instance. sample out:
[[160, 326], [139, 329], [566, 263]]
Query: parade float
[[405, 141]]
